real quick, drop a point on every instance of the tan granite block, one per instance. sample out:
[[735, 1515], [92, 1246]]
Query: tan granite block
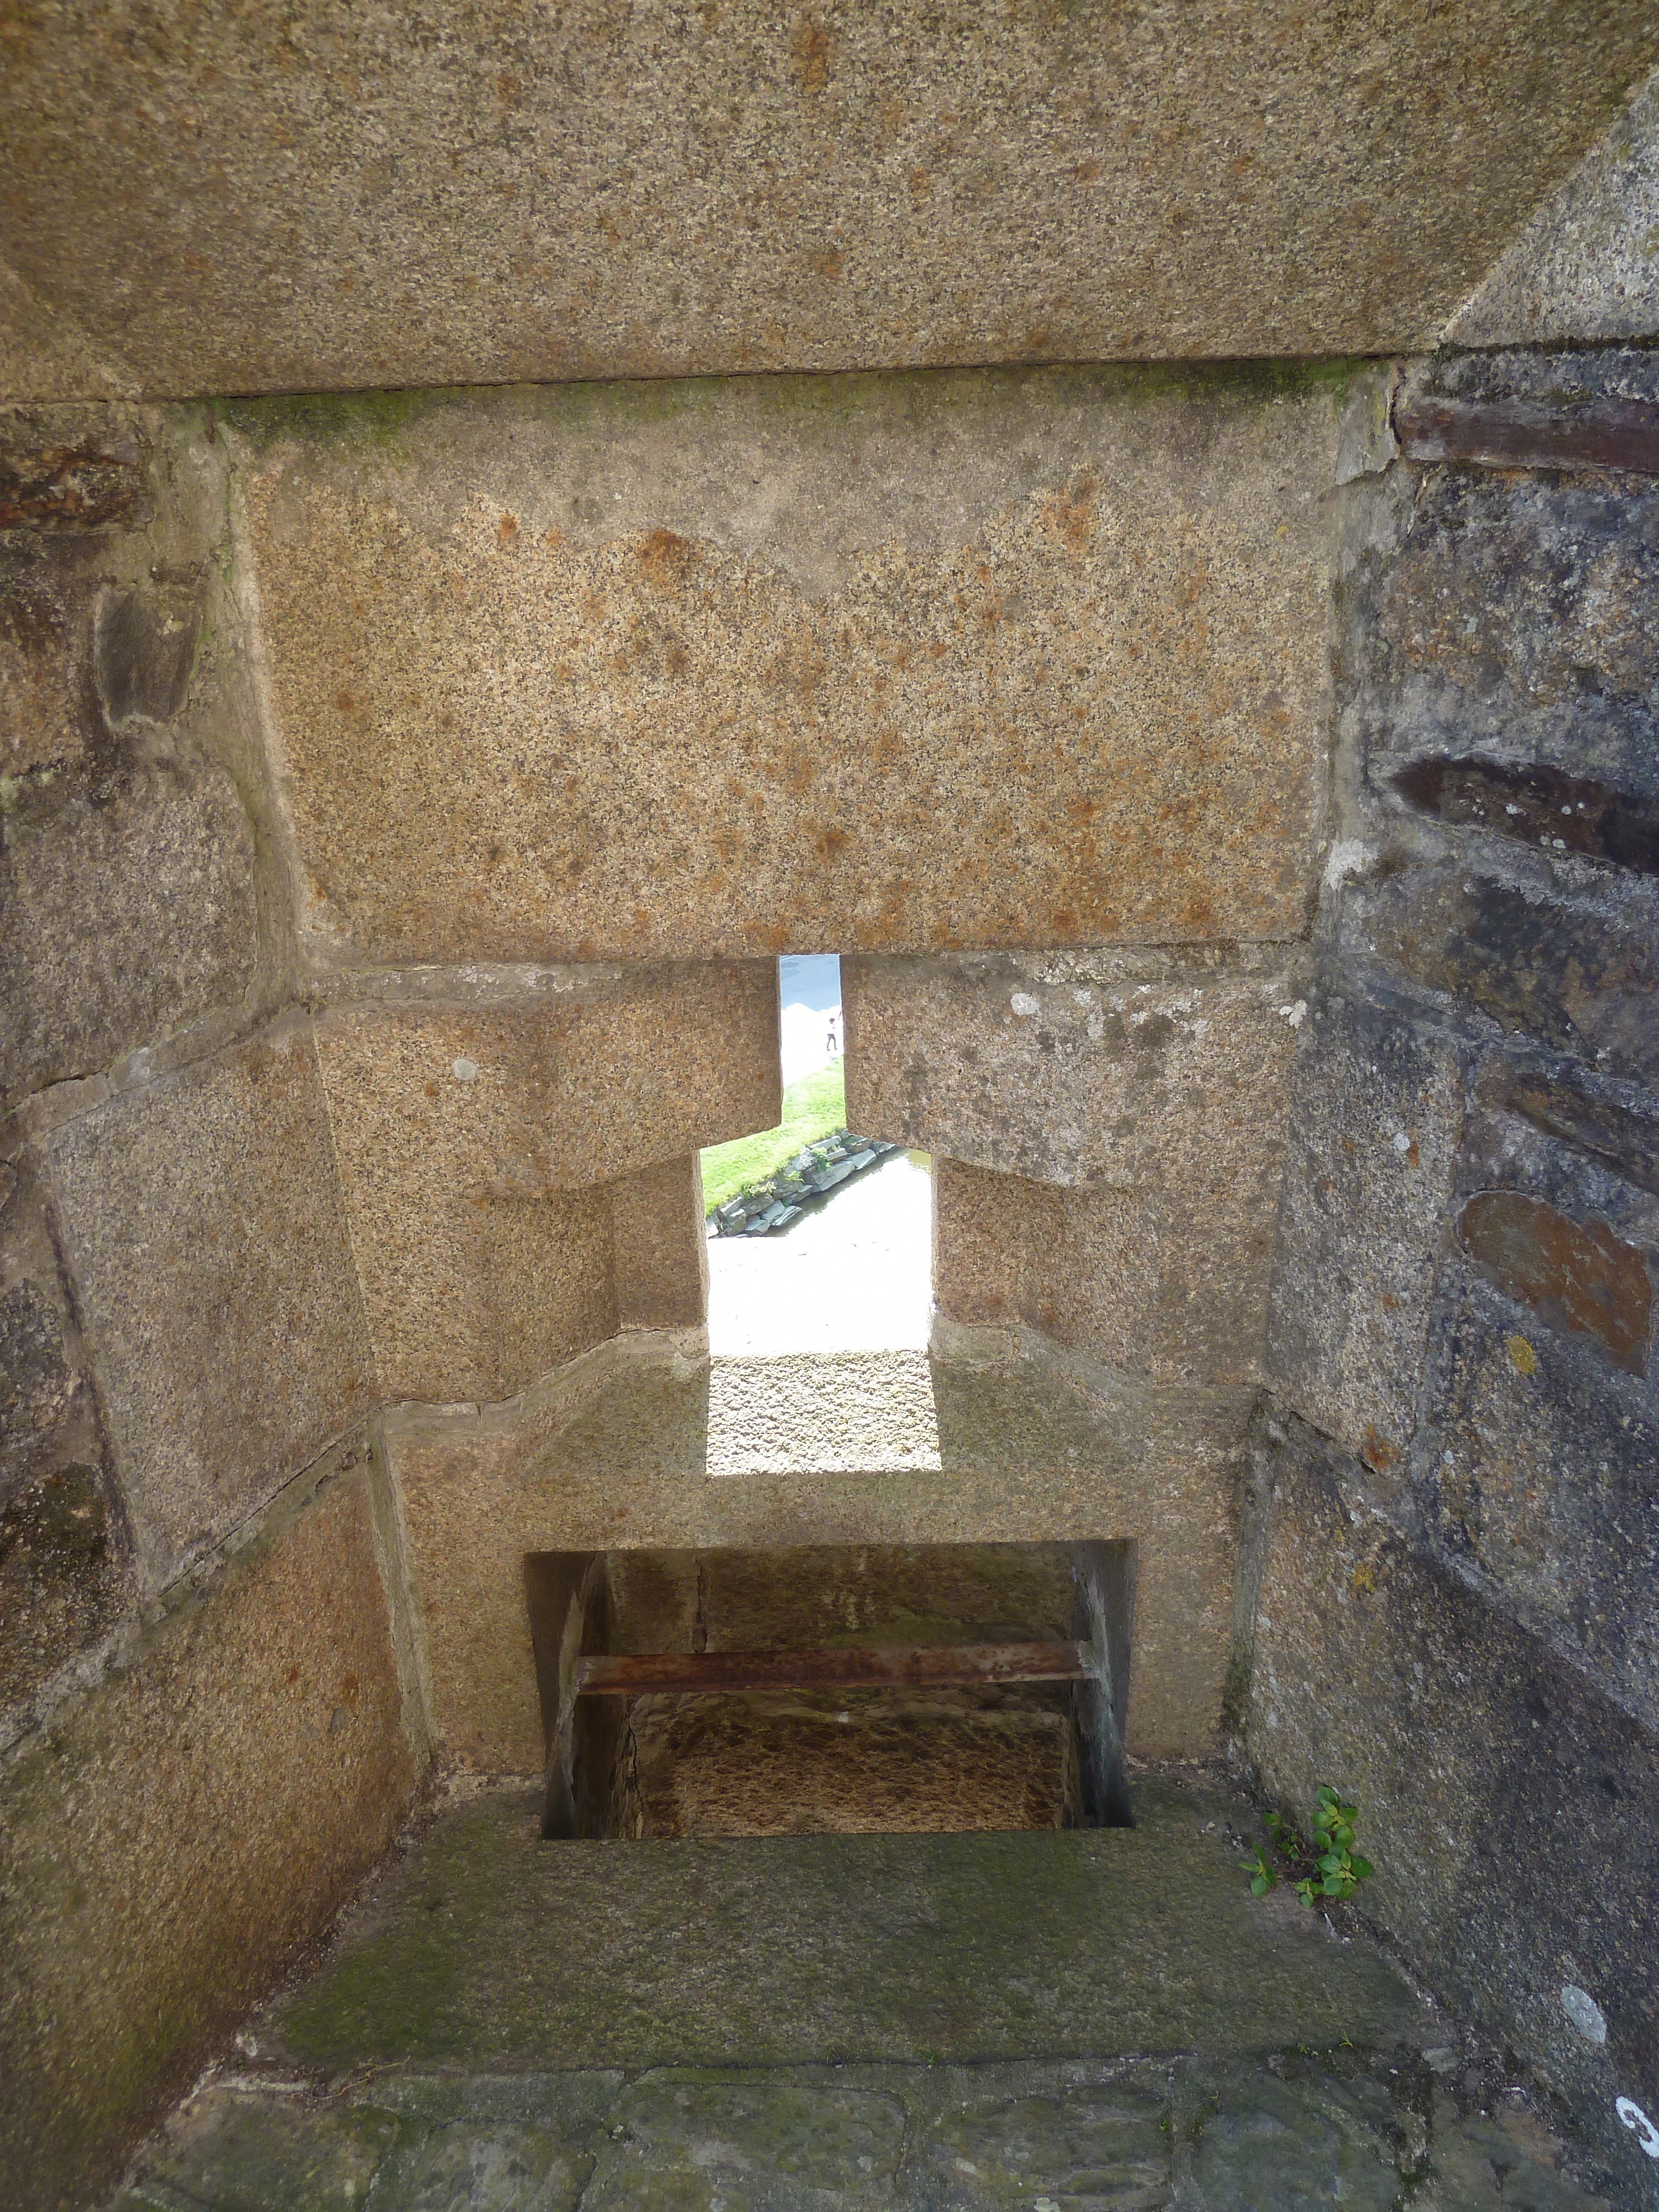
[[1130, 1070], [471, 1298], [209, 1251], [578, 1078], [662, 1455], [990, 659], [394, 197], [660, 1242], [176, 1835], [1171, 1285], [517, 1171]]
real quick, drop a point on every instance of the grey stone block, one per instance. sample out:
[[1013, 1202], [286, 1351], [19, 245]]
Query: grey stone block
[[1134, 1107], [64, 1542], [128, 908], [1542, 1472], [1489, 1772], [73, 470], [208, 1250], [48, 596], [1577, 971], [1500, 648], [1377, 1121], [144, 651], [1136, 1070], [1134, 1279]]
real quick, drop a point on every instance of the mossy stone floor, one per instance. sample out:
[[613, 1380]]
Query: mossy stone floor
[[1057, 2020]]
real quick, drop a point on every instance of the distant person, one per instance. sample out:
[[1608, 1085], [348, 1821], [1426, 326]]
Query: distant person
[[832, 1044]]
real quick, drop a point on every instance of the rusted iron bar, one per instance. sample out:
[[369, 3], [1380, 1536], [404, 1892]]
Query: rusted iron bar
[[1516, 434], [929, 1667]]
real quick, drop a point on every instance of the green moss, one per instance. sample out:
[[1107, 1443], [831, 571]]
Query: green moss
[[382, 417], [377, 418]]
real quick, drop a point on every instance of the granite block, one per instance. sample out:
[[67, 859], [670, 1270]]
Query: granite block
[[174, 1838], [657, 194], [1376, 1120], [208, 1246], [997, 657]]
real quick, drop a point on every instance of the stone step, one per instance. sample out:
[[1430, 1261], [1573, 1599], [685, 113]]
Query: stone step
[[1094, 2019]]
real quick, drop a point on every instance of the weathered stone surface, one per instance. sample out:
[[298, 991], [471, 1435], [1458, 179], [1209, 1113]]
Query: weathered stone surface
[[1489, 1771], [1606, 1129], [177, 1833], [1377, 1121], [73, 470], [204, 1231], [248, 2151], [948, 1948], [1131, 1071], [982, 2138], [589, 196], [660, 1247], [1294, 2145], [1501, 636], [1577, 971], [63, 1579], [1159, 1284], [1584, 266], [128, 906], [144, 651], [992, 659], [1545, 1478], [855, 1449], [474, 1139], [1578, 1276]]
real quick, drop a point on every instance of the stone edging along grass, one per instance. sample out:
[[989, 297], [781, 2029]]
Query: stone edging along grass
[[810, 1176], [814, 1110]]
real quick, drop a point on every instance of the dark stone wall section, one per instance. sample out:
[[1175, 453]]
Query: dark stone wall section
[[64, 1549], [1456, 1474], [1506, 1797]]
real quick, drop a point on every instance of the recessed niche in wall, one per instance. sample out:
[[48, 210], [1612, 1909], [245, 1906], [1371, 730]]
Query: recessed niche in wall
[[820, 1237], [833, 1688]]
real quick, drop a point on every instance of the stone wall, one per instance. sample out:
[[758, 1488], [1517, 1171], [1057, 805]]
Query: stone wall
[[1241, 831], [508, 736], [249, 1193], [1455, 1481], [396, 197]]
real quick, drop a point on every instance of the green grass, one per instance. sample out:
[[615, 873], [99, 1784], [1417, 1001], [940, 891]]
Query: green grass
[[813, 1108]]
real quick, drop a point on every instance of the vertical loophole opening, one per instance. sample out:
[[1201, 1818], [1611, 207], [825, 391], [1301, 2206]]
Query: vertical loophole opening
[[820, 1235]]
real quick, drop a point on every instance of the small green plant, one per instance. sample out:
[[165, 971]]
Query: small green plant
[[1330, 1867]]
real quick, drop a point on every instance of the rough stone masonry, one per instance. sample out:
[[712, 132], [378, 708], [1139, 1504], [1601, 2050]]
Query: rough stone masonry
[[1140, 534]]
